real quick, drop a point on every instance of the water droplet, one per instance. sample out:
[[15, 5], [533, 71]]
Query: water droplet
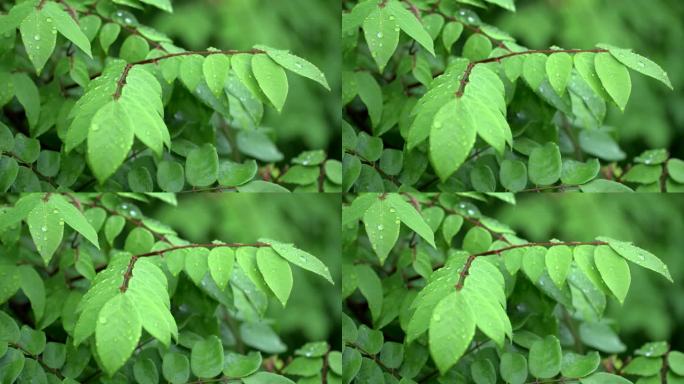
[[641, 64], [43, 228], [380, 227], [379, 35], [36, 37]]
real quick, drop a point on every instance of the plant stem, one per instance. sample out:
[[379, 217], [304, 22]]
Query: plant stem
[[466, 75]]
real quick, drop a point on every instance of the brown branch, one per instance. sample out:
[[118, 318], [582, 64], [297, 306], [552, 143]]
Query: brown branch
[[70, 10], [466, 75], [129, 271], [122, 79], [466, 268]]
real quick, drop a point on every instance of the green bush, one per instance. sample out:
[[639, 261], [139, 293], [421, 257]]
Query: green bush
[[437, 291], [436, 98], [93, 287], [87, 83]]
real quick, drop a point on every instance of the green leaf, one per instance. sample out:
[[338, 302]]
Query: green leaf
[[191, 68], [483, 372], [34, 288], [8, 173], [54, 355], [170, 176], [371, 288], [576, 172], [206, 358], [411, 217], [139, 241], [638, 256], [39, 41], [371, 95], [675, 360], [382, 35], [491, 126], [113, 227], [237, 365], [614, 271], [201, 166], [46, 227], [333, 171], [145, 372], [675, 168], [558, 68], [110, 138], [20, 211], [134, 49], [300, 258], [164, 5], [296, 64], [9, 330], [614, 77], [452, 328], [271, 78], [176, 368], [450, 227], [545, 165], [299, 174], [638, 63], [409, 23], [196, 264], [505, 4], [452, 137], [513, 368], [545, 358], [266, 378], [232, 174], [477, 240], [604, 378], [382, 227], [534, 69], [558, 260], [644, 174], [276, 272], [643, 366], [653, 349], [513, 175], [26, 149], [220, 262], [215, 69], [477, 47], [604, 186], [452, 31], [575, 366], [75, 219], [117, 332], [108, 34], [28, 96], [67, 26]]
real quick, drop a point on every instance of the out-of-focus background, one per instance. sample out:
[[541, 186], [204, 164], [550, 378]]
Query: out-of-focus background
[[654, 308], [654, 117], [311, 222], [308, 28]]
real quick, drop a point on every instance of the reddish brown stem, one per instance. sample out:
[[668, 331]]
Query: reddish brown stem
[[466, 268], [466, 75], [122, 79], [129, 271]]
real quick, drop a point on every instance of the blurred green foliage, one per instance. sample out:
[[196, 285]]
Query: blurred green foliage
[[654, 309], [308, 28], [311, 221], [655, 116]]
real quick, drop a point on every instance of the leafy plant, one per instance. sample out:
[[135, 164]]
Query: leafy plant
[[105, 93], [448, 102], [437, 292], [117, 295]]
